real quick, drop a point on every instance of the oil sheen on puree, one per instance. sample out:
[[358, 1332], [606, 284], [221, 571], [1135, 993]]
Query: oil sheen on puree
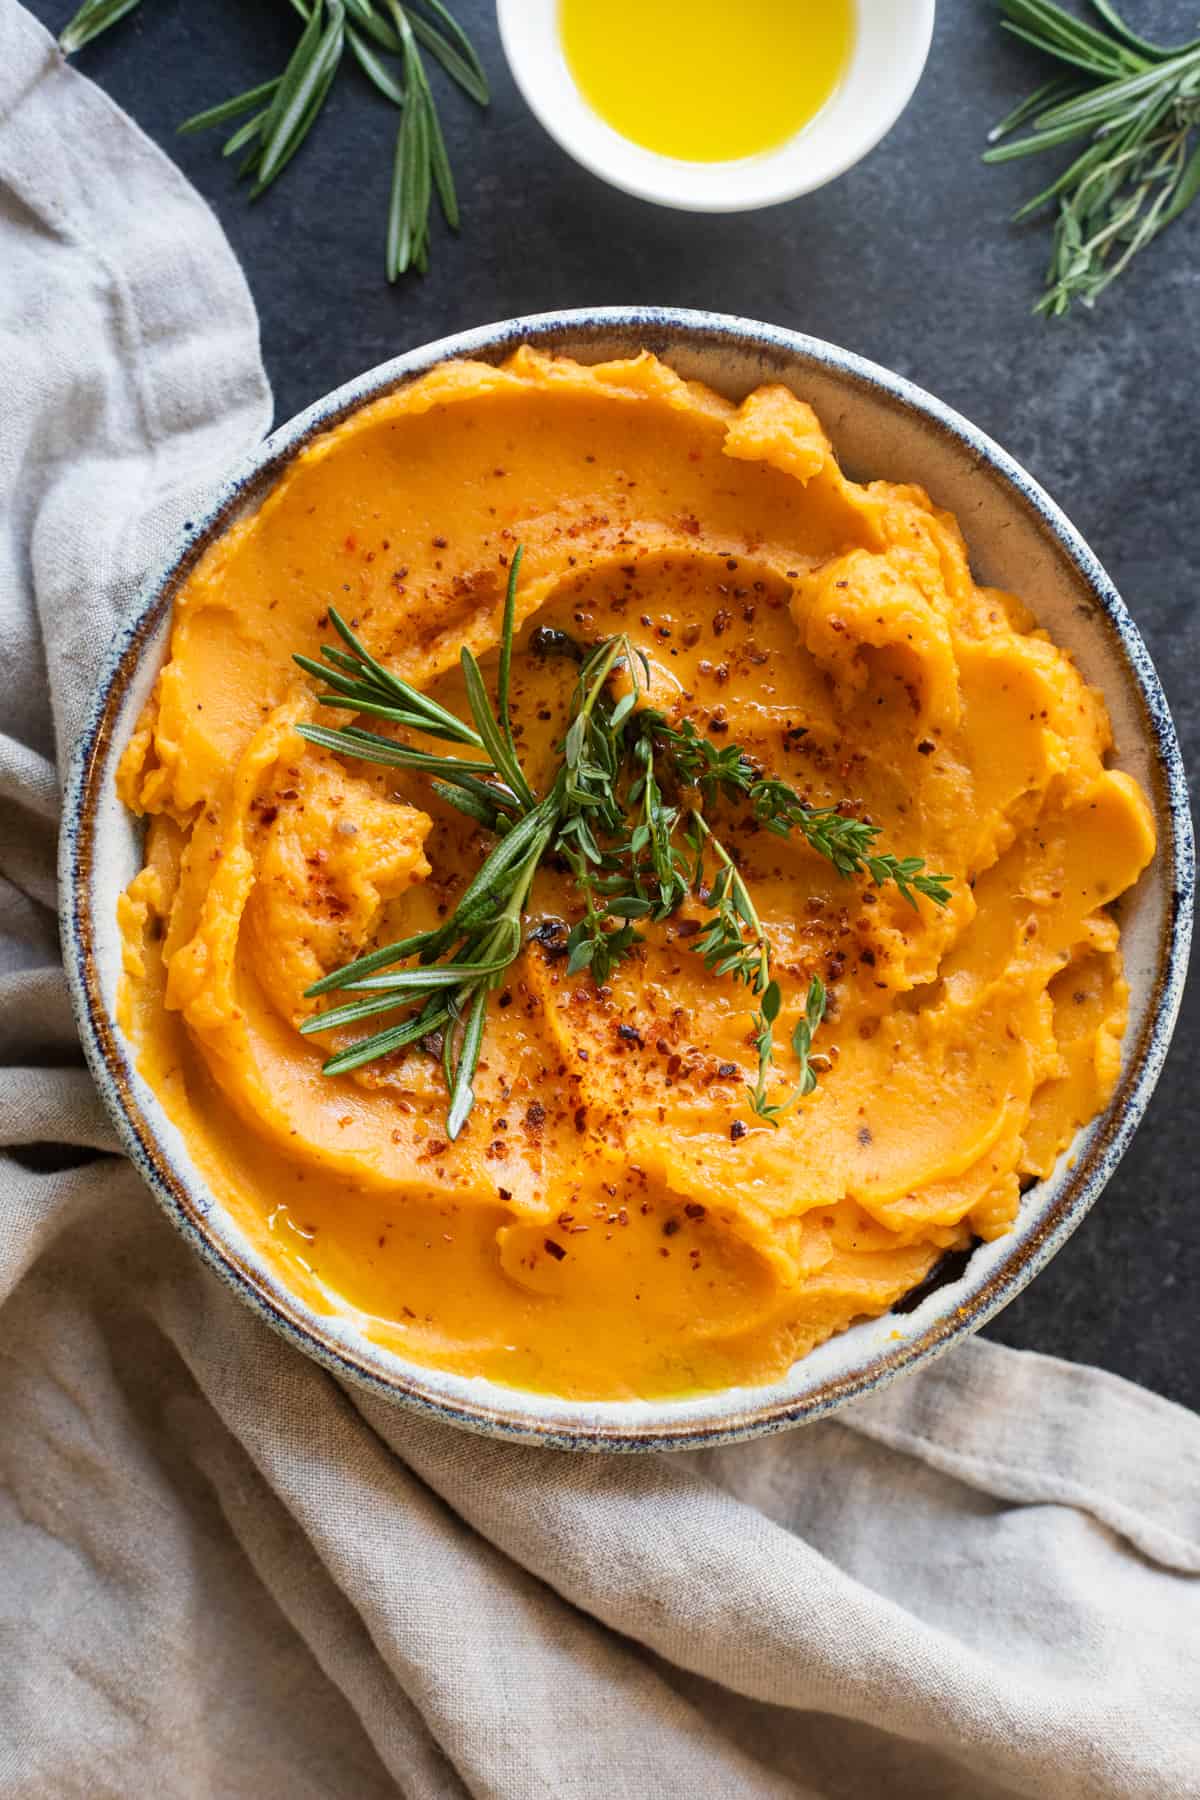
[[614, 1221]]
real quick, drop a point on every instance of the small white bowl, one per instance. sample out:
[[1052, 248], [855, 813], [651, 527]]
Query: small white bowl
[[891, 44]]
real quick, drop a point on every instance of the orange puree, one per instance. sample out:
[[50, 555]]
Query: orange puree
[[614, 1220]]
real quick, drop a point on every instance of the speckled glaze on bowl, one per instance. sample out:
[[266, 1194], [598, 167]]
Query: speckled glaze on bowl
[[881, 426]]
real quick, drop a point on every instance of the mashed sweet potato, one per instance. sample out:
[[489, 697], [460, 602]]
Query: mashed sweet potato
[[613, 1221]]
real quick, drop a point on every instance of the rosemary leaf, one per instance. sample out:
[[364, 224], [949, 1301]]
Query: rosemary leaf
[[1139, 172], [625, 813], [376, 959], [93, 17], [365, 14], [245, 134], [468, 74], [468, 802], [351, 1014], [496, 737], [507, 628]]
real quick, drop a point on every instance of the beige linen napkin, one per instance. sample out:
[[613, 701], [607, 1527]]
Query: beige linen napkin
[[223, 1575]]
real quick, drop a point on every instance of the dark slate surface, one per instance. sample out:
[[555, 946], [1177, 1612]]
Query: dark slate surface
[[909, 260]]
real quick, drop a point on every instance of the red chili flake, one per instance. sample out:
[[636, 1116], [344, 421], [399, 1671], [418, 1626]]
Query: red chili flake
[[926, 748], [670, 1227], [535, 1117], [554, 1250], [694, 1210], [581, 1119], [722, 620], [504, 1193], [687, 928], [439, 543]]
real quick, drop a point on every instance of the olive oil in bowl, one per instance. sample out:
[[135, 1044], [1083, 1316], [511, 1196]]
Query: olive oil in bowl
[[709, 80]]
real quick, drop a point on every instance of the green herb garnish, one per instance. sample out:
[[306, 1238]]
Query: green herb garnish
[[628, 813], [283, 111], [1137, 103]]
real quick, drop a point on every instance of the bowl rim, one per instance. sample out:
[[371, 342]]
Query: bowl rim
[[532, 48], [505, 1412]]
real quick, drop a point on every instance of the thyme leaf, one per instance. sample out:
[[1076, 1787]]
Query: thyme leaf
[[1137, 103]]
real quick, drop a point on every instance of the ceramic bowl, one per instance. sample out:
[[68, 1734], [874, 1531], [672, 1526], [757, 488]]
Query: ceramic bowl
[[882, 426], [891, 44]]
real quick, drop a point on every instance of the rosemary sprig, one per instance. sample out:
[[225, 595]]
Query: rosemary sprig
[[802, 1037], [284, 110], [625, 813], [1137, 103], [93, 17]]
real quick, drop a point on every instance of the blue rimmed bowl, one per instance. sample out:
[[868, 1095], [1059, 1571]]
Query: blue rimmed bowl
[[881, 426]]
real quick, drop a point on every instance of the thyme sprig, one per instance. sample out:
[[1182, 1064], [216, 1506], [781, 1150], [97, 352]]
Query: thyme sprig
[[627, 813], [284, 110], [1138, 104]]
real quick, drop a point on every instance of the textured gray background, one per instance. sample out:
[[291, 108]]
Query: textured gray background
[[910, 260]]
